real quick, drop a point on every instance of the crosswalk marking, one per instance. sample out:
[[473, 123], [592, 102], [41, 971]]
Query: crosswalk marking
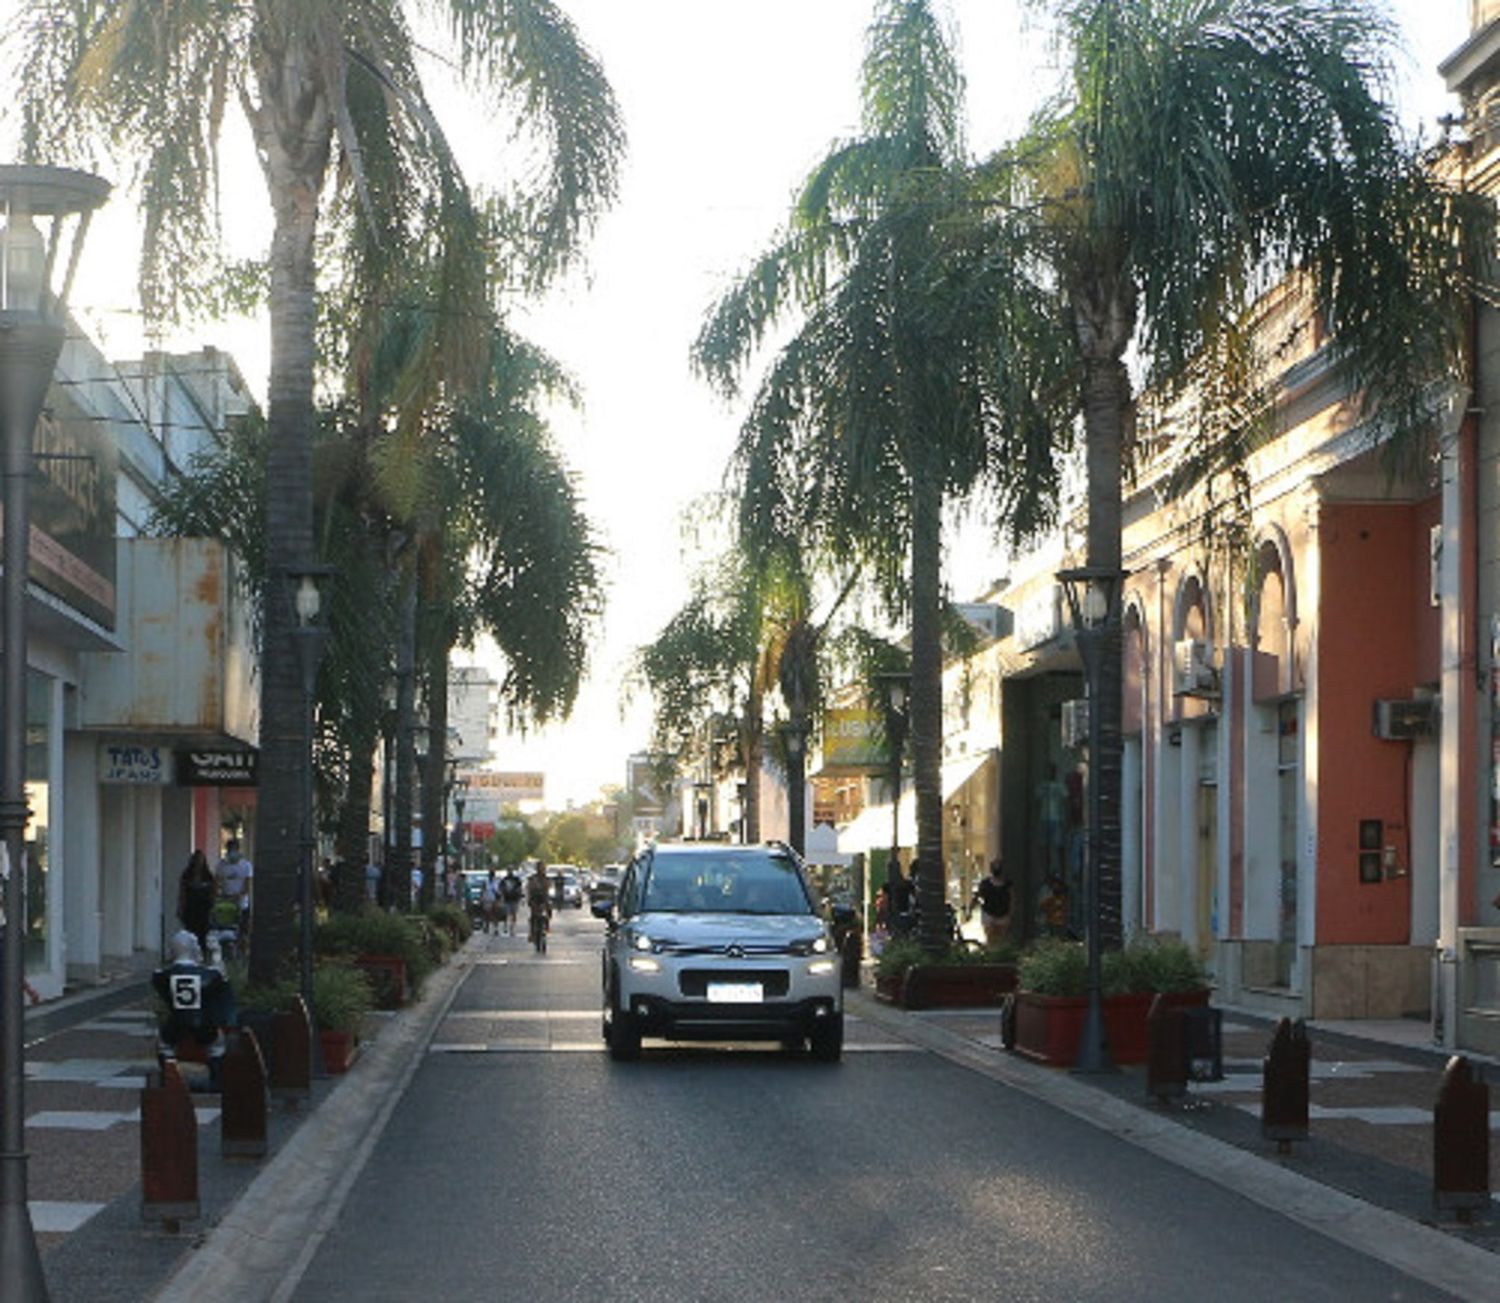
[[59, 1217]]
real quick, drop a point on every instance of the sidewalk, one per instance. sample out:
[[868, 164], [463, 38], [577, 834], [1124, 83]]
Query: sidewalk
[[87, 1057], [1368, 1162]]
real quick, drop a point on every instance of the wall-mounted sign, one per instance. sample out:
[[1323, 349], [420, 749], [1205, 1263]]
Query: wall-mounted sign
[[228, 768], [133, 763], [73, 508]]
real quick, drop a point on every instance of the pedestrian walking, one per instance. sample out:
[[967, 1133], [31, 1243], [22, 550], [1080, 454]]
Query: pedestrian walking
[[993, 895], [196, 891], [236, 876], [372, 881], [511, 891], [489, 903]]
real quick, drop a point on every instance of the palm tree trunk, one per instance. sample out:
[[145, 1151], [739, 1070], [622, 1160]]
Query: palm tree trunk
[[354, 823], [398, 872], [293, 131], [927, 710], [1106, 402], [754, 742]]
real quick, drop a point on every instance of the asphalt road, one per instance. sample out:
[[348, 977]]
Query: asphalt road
[[523, 1164]]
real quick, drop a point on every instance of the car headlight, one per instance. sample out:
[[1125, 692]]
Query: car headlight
[[643, 942], [820, 945], [821, 967], [644, 964]]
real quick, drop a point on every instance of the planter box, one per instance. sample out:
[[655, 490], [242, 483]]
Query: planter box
[[1048, 1026], [387, 974], [957, 986], [340, 1049], [890, 989]]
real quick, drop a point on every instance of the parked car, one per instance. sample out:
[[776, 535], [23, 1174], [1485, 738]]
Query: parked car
[[719, 942]]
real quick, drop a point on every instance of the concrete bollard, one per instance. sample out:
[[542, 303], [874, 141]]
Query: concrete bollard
[[1461, 1141], [1166, 1051], [291, 1059], [1284, 1085], [242, 1123], [169, 1150]]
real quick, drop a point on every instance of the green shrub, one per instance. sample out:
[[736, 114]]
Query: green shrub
[[1054, 967], [453, 920], [342, 996], [1168, 965], [374, 932], [897, 957]]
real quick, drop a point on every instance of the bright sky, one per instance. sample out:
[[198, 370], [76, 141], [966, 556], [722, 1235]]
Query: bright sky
[[727, 104]]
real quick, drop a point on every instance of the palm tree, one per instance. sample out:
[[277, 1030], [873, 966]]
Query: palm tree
[[896, 395], [1205, 148], [326, 87]]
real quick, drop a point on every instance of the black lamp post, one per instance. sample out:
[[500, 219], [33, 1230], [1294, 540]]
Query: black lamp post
[[33, 326], [896, 685], [303, 588], [461, 833], [794, 738], [1093, 596]]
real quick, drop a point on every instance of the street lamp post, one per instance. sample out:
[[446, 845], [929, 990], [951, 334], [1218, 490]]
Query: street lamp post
[[33, 326], [460, 799], [1093, 597], [303, 589], [896, 684]]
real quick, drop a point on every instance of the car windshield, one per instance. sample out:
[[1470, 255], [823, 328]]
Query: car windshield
[[733, 882]]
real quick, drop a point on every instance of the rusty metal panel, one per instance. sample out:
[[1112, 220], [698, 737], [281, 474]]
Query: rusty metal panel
[[188, 664]]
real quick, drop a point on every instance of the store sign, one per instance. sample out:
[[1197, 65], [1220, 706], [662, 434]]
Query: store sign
[[510, 788], [218, 768], [73, 508], [130, 763], [854, 741]]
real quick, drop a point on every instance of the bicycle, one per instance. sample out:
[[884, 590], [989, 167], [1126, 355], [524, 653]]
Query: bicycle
[[539, 928]]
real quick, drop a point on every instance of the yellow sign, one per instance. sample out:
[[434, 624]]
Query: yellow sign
[[854, 741]]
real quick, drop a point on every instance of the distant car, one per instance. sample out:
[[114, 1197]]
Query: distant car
[[604, 887], [719, 942], [566, 889]]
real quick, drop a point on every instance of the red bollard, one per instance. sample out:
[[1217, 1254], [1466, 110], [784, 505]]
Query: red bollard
[[1284, 1085], [291, 1057], [169, 1150], [1461, 1141], [242, 1123]]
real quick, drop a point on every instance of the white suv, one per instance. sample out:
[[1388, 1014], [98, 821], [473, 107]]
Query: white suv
[[710, 941]]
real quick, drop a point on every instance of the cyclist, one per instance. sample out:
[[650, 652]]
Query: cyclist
[[539, 902]]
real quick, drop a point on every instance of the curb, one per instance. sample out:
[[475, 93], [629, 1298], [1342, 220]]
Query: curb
[[1426, 1254], [262, 1247]]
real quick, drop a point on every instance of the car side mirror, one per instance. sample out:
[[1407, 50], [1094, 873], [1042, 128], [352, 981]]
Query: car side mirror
[[602, 909]]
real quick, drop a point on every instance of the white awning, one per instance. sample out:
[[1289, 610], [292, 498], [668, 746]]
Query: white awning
[[871, 829]]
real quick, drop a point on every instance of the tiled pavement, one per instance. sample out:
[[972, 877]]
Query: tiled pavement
[[1370, 1110]]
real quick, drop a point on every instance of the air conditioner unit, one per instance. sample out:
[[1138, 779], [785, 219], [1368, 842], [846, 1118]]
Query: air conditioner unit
[[1397, 721], [1193, 673], [1075, 722]]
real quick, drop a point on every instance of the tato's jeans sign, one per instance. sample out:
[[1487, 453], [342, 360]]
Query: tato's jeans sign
[[135, 764]]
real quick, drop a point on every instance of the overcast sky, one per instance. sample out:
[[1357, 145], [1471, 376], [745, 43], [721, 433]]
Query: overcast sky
[[727, 104]]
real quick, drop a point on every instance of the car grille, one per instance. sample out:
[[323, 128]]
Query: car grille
[[740, 949], [774, 982]]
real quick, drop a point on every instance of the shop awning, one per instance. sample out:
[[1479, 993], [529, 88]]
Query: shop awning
[[871, 829]]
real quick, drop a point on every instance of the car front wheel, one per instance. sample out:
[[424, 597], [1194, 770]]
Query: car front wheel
[[621, 1032], [827, 1040]]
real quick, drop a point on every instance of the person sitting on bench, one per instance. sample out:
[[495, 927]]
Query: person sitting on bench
[[199, 1000]]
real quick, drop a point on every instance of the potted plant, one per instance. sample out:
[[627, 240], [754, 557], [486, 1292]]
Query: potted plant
[[961, 977], [1052, 998], [341, 999], [391, 948]]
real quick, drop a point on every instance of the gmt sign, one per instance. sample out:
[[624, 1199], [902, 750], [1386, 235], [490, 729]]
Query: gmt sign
[[228, 768]]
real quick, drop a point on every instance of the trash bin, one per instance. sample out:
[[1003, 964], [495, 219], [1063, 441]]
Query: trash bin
[[1203, 1042]]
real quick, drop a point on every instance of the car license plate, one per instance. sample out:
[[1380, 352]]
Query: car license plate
[[735, 993]]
